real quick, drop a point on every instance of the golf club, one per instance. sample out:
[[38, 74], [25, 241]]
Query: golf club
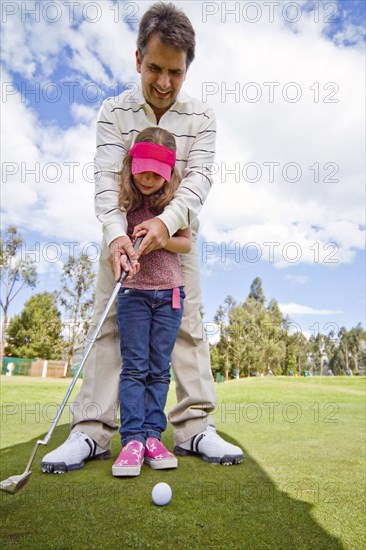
[[14, 483]]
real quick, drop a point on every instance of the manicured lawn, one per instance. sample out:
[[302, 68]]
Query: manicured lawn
[[300, 486]]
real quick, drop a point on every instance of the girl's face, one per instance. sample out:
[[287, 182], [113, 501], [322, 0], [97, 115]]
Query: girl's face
[[148, 183]]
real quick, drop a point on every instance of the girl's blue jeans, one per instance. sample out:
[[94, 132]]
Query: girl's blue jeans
[[148, 327]]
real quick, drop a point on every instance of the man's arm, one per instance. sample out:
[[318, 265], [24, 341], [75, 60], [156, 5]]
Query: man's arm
[[108, 163], [110, 152], [197, 180]]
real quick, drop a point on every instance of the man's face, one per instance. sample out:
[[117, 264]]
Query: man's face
[[163, 70]]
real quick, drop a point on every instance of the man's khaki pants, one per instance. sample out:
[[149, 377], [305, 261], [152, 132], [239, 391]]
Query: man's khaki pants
[[95, 406]]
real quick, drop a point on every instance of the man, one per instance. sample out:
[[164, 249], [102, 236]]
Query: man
[[165, 48]]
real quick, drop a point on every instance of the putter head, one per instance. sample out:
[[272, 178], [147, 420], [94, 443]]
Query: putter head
[[14, 483]]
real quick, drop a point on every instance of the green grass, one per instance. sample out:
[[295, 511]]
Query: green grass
[[300, 486]]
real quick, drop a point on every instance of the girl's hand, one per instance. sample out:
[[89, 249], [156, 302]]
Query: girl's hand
[[139, 233], [132, 267], [181, 242]]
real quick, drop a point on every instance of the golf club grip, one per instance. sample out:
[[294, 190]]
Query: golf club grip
[[135, 247]]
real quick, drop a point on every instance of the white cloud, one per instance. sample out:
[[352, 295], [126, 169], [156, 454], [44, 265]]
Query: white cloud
[[36, 39], [320, 141], [354, 34], [56, 200], [294, 309], [297, 279]]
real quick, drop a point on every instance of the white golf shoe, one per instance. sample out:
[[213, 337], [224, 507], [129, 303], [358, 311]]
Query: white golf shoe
[[211, 447], [72, 454]]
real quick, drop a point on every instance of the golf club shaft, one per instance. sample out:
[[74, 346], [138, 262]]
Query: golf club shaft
[[85, 357], [86, 353], [79, 369]]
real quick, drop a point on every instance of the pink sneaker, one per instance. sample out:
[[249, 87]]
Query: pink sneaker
[[157, 456], [130, 459]]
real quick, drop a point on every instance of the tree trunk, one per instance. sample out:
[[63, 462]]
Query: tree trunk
[[74, 332], [347, 358], [4, 330], [69, 362]]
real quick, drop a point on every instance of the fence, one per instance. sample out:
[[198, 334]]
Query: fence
[[14, 366]]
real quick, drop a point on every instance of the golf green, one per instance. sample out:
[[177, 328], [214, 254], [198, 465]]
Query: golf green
[[301, 484]]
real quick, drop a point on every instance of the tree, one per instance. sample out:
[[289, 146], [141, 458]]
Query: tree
[[258, 338], [357, 341], [254, 336], [221, 319], [296, 353], [255, 325], [256, 293], [351, 346], [290, 365], [244, 340], [315, 353], [275, 336], [344, 349], [17, 273], [331, 349], [217, 360], [37, 331], [77, 299]]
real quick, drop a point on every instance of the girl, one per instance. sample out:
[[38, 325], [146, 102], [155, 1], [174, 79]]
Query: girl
[[150, 306]]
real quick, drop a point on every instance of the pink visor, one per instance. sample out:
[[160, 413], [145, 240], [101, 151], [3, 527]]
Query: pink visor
[[151, 157]]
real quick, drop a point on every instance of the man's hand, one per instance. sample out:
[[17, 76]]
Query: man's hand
[[121, 250], [155, 235]]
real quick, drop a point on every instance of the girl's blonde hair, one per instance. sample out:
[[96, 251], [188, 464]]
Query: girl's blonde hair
[[129, 196]]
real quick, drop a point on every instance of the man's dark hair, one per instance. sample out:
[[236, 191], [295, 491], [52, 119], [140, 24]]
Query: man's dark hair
[[172, 27]]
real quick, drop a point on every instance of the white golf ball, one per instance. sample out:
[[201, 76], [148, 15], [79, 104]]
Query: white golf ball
[[161, 494]]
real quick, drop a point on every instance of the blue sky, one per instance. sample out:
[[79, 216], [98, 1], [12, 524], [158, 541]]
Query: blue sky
[[286, 81]]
